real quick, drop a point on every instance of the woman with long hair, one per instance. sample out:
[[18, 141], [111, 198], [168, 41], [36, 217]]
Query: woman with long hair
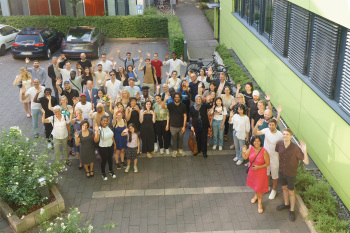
[[26, 80], [162, 125], [202, 77], [122, 76], [84, 140], [118, 127], [241, 126], [133, 74], [132, 113], [258, 161], [247, 93], [124, 97], [147, 120], [86, 76], [227, 100], [76, 122], [219, 113], [106, 144]]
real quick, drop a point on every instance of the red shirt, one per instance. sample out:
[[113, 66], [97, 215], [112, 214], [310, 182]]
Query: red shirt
[[157, 64]]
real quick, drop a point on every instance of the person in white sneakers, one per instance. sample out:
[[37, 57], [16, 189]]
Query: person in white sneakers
[[218, 123], [241, 127], [272, 136]]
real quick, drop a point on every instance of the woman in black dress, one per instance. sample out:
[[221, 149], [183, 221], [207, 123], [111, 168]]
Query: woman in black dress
[[86, 77], [132, 113], [147, 119], [200, 122]]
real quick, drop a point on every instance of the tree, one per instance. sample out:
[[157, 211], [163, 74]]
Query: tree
[[75, 5]]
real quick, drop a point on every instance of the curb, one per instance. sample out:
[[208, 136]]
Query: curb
[[304, 212]]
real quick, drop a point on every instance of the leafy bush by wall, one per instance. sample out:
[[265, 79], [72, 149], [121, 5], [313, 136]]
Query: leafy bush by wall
[[235, 71], [176, 36]]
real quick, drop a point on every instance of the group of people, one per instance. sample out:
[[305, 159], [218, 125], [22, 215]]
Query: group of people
[[108, 111]]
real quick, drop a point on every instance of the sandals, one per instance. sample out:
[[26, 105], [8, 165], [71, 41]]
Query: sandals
[[92, 173], [253, 200], [68, 163], [225, 137], [260, 209], [80, 167], [88, 175], [72, 153], [149, 155], [28, 115]]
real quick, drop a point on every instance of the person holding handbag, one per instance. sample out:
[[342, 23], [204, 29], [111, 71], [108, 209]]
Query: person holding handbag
[[200, 122], [258, 161]]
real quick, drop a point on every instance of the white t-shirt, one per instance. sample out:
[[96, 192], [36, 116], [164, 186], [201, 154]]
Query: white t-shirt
[[86, 109], [106, 137], [108, 65], [241, 125], [114, 88], [270, 141], [76, 83], [65, 74], [60, 130], [175, 65], [219, 113], [172, 83], [32, 93]]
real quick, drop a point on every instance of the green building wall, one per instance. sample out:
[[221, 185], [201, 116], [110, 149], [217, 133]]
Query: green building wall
[[327, 135]]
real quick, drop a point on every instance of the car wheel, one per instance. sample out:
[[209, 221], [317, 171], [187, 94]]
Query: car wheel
[[48, 54], [2, 50]]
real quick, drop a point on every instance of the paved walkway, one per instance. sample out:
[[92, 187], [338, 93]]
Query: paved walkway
[[197, 30], [185, 194]]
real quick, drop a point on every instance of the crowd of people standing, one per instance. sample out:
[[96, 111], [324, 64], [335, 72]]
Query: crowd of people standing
[[108, 110]]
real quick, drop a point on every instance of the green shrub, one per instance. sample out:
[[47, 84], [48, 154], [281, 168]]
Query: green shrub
[[22, 162], [203, 6], [330, 224], [176, 36], [209, 13], [304, 180], [150, 10], [235, 71]]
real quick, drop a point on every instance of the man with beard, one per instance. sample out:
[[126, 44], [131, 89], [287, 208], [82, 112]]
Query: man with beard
[[84, 106], [75, 81], [71, 94], [99, 75], [178, 118], [267, 117], [36, 71], [47, 101], [272, 136]]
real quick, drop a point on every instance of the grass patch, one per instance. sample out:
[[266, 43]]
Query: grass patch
[[209, 13]]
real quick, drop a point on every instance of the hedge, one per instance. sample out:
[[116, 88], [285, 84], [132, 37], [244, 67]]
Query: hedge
[[235, 71], [130, 26]]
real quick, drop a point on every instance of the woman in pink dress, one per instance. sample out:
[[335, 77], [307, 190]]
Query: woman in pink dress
[[258, 161]]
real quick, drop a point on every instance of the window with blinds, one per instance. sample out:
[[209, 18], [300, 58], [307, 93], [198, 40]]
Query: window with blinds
[[279, 26], [299, 36], [324, 55], [267, 18], [256, 14], [344, 98]]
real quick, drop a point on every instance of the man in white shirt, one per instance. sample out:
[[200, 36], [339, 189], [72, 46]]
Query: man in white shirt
[[61, 131], [272, 136], [84, 106], [175, 64], [112, 86], [35, 107], [99, 75], [66, 71], [107, 65], [75, 81]]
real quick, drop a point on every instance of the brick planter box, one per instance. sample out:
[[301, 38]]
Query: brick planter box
[[31, 220]]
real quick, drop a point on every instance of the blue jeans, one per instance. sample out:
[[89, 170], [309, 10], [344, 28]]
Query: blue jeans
[[238, 147], [36, 114], [217, 133]]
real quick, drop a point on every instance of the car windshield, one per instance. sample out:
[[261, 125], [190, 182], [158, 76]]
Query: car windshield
[[28, 39], [79, 34]]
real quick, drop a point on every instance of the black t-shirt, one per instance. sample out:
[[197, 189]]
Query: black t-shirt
[[256, 116], [70, 95], [253, 107], [45, 105], [247, 96], [194, 90], [176, 113], [86, 63]]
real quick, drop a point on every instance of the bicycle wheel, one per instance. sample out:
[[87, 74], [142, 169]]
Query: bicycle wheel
[[193, 66]]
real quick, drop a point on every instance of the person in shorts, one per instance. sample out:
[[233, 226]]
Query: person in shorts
[[289, 155]]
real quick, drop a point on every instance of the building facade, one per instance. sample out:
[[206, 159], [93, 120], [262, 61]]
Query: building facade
[[63, 7], [299, 52]]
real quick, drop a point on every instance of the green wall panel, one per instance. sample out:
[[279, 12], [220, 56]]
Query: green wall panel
[[310, 118]]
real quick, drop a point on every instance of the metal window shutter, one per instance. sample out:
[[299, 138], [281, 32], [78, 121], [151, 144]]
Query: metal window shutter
[[121, 7], [279, 29], [132, 7], [111, 7], [324, 55], [298, 38], [344, 100]]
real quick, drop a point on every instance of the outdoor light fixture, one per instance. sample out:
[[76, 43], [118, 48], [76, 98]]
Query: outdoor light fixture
[[44, 189]]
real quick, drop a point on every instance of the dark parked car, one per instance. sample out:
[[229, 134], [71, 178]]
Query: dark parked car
[[36, 42], [83, 39]]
